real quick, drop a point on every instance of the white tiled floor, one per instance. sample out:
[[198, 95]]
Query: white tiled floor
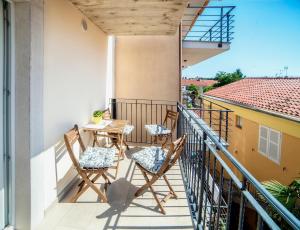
[[122, 211]]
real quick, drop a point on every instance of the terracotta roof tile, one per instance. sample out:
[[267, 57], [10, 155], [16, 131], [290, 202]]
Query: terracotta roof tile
[[280, 95], [200, 82]]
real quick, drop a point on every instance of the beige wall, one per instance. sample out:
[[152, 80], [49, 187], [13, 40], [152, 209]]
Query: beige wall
[[147, 67], [75, 68], [74, 85]]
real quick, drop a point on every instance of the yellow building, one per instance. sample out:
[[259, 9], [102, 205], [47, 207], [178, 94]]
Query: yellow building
[[265, 130]]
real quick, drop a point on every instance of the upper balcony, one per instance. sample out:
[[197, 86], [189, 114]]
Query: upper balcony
[[206, 32]]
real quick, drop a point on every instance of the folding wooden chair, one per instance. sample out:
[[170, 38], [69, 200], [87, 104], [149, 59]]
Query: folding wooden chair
[[155, 162], [159, 132], [92, 164]]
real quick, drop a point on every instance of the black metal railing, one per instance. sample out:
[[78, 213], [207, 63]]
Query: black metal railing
[[218, 186], [140, 112], [214, 24], [217, 117]]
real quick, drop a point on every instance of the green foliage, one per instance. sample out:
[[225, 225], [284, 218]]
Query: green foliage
[[189, 105], [207, 88], [98, 113], [288, 195], [193, 89], [224, 78]]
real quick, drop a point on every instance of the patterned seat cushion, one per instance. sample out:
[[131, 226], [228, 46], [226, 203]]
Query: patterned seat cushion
[[156, 130], [97, 157], [150, 158], [128, 129]]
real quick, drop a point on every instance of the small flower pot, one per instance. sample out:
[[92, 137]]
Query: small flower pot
[[96, 120]]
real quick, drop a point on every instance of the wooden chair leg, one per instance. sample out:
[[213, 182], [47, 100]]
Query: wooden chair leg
[[106, 179], [145, 186], [127, 146], [154, 194], [86, 183], [80, 191], [95, 138], [97, 190], [169, 186]]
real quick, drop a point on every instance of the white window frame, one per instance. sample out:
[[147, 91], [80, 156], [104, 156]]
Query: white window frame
[[267, 153]]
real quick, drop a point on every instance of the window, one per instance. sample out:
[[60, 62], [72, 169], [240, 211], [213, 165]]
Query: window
[[270, 143], [238, 121]]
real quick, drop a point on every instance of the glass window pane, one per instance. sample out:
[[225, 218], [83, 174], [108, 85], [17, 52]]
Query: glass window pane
[[264, 132], [274, 136], [274, 152], [263, 145]]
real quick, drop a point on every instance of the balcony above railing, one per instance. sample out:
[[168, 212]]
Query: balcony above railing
[[208, 24]]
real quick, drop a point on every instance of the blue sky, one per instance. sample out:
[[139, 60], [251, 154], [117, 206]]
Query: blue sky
[[266, 38]]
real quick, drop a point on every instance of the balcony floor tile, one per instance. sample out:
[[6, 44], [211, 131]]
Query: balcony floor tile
[[122, 211]]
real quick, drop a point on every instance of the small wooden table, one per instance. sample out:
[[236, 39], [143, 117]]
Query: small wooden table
[[112, 129]]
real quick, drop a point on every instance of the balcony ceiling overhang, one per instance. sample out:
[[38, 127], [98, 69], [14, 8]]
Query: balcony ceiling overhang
[[195, 52], [134, 17], [191, 14]]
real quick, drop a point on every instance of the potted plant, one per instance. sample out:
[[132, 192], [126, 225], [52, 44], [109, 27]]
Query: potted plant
[[97, 116]]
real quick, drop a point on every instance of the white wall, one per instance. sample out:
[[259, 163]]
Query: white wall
[[75, 64]]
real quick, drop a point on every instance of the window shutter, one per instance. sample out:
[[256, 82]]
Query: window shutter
[[263, 140], [274, 145]]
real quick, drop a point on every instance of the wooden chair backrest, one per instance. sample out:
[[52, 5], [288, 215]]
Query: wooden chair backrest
[[173, 154], [71, 137], [172, 116], [106, 114]]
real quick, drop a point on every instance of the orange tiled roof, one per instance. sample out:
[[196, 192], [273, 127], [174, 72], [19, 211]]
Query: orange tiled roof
[[201, 82], [279, 95]]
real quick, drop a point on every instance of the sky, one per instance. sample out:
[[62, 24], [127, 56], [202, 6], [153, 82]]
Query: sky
[[266, 39]]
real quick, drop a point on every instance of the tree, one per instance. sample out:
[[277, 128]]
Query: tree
[[193, 89], [224, 78], [193, 92], [288, 195], [207, 88]]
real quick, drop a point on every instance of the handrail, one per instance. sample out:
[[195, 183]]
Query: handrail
[[220, 31], [282, 211]]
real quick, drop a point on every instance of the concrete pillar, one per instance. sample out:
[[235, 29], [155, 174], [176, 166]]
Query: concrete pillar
[[28, 102]]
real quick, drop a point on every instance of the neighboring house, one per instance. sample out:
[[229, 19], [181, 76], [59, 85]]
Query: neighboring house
[[201, 83], [265, 134]]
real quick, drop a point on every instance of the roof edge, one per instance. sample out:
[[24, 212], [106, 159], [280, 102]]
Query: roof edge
[[269, 112]]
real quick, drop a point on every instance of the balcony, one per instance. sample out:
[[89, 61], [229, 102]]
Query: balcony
[[206, 32], [213, 188]]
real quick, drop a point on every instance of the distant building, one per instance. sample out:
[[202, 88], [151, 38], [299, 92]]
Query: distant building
[[265, 135], [197, 82]]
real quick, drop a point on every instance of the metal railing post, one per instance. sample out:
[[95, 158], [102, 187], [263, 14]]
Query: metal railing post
[[220, 125], [228, 18], [203, 173], [114, 108], [210, 113], [226, 131], [221, 28], [242, 204], [178, 122]]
